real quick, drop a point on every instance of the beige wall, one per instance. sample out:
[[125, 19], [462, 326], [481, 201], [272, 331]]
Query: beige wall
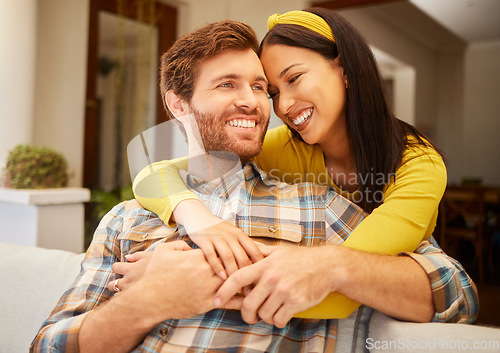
[[450, 111], [481, 126], [61, 80], [253, 12], [17, 68]]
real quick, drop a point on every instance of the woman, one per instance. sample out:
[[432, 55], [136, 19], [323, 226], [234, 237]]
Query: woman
[[327, 89], [339, 130]]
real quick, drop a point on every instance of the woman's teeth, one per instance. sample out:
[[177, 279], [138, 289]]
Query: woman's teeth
[[302, 117], [241, 123]]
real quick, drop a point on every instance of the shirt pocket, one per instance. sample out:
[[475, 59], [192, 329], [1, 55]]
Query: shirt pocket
[[142, 237], [272, 233]]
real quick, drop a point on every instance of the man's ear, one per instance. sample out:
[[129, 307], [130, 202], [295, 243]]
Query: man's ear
[[176, 104]]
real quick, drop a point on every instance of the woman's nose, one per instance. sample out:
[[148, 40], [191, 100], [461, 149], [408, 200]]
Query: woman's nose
[[284, 104]]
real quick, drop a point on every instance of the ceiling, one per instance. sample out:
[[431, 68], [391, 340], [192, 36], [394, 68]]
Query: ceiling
[[452, 21], [471, 20]]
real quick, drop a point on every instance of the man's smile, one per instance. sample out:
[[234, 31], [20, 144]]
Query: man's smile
[[242, 123]]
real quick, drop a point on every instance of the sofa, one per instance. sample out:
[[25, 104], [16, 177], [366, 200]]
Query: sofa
[[32, 280]]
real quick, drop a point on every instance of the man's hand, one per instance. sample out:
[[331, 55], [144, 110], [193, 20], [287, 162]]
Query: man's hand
[[182, 282], [134, 269], [175, 285], [289, 280]]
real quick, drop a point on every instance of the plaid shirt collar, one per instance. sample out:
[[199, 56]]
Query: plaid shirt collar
[[226, 183]]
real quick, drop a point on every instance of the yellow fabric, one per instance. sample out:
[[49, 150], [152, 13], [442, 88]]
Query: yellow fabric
[[409, 212], [407, 216], [302, 18], [158, 186]]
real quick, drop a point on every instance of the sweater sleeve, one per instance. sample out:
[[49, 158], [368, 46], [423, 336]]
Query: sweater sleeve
[[159, 188], [408, 213]]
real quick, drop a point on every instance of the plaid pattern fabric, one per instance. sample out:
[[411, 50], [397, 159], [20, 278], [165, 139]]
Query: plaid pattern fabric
[[302, 214], [270, 211], [453, 293]]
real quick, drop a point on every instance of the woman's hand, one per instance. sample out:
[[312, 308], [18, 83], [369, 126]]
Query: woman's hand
[[288, 281], [226, 247]]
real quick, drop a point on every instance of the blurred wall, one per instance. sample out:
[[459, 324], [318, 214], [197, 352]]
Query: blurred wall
[[60, 80], [17, 71]]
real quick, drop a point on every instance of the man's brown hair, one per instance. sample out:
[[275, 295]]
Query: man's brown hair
[[179, 65]]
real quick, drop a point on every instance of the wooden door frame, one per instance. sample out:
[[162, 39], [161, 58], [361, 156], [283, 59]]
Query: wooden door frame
[[166, 24]]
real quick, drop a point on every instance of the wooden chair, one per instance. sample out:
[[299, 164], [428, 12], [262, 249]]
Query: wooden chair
[[462, 215]]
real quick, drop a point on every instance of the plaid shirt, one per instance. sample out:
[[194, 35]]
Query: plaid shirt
[[273, 212]]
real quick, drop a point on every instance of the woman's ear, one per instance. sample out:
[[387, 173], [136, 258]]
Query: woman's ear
[[337, 62], [176, 104]]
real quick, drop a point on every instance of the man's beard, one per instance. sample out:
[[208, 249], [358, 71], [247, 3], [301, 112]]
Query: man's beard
[[215, 137]]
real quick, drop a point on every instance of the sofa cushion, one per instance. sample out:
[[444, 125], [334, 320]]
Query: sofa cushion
[[390, 335], [32, 280]]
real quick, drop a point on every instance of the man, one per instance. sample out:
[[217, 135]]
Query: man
[[169, 306]]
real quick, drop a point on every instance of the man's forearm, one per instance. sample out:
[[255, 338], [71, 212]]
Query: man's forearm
[[177, 284], [396, 286], [118, 325]]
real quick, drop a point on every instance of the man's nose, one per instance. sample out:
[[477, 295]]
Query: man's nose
[[247, 98]]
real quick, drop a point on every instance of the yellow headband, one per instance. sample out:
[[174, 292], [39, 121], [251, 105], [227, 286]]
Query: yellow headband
[[304, 19]]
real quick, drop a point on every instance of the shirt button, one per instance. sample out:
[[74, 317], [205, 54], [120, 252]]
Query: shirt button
[[144, 236], [164, 331], [272, 229]]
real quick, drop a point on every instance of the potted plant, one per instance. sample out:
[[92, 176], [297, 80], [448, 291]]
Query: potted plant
[[36, 207], [32, 167]]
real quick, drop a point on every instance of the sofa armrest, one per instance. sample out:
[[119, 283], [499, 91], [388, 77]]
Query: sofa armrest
[[386, 334], [32, 279]]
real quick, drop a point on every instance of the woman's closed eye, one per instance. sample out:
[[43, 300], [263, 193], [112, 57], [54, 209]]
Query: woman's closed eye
[[294, 78], [273, 94]]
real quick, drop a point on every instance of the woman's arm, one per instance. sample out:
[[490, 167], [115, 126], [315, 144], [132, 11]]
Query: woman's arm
[[410, 205], [160, 189]]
